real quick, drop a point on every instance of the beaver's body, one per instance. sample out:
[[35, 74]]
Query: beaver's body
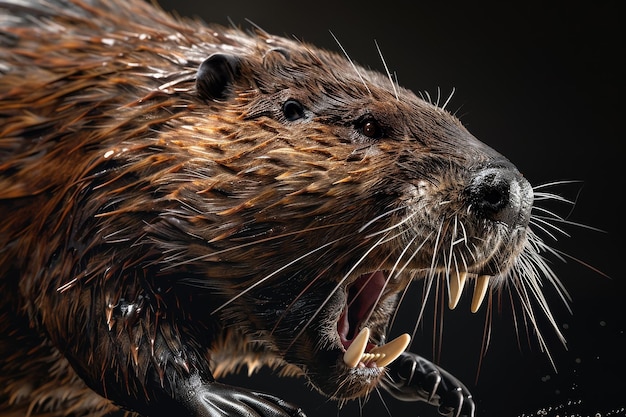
[[178, 200]]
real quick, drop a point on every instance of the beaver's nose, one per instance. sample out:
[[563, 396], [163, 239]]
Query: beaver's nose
[[501, 194]]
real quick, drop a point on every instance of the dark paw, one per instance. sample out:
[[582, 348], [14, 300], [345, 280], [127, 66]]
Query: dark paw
[[413, 378], [218, 400]]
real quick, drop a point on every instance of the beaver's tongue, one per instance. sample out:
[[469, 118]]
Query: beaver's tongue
[[363, 294]]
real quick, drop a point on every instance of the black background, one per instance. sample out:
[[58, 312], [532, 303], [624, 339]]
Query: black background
[[542, 84]]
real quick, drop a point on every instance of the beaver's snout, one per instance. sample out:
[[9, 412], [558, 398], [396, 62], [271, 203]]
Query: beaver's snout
[[501, 194]]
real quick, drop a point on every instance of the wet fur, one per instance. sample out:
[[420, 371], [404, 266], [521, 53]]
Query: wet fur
[[183, 230]]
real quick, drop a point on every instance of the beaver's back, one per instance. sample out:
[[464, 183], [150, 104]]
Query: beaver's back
[[106, 71]]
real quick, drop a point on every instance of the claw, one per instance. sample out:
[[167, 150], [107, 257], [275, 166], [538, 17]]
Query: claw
[[433, 378], [293, 410], [406, 371], [452, 404], [197, 396], [472, 407], [413, 378]]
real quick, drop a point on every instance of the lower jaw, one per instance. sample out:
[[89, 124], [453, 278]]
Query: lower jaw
[[339, 381], [352, 384]]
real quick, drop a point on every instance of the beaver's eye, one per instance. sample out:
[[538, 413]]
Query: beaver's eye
[[293, 110], [370, 128]]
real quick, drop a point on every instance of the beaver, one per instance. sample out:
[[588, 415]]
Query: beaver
[[181, 200]]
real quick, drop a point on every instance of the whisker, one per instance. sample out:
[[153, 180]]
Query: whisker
[[256, 242], [526, 303], [399, 303], [308, 286], [262, 280], [570, 223], [486, 334], [382, 400], [428, 283], [438, 319], [556, 183], [332, 293], [382, 290], [354, 67], [551, 197], [518, 332], [550, 214], [538, 223], [448, 99], [581, 262], [393, 85], [425, 95], [385, 214], [406, 263], [415, 252]]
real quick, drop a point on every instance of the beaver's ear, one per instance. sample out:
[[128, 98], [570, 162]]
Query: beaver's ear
[[215, 76]]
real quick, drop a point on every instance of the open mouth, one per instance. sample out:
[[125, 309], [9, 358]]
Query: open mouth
[[360, 352], [362, 297]]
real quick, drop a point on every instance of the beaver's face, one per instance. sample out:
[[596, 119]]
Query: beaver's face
[[315, 196]]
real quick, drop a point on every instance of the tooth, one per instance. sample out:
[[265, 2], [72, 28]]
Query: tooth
[[482, 283], [366, 357], [369, 357], [391, 350], [352, 357], [457, 281]]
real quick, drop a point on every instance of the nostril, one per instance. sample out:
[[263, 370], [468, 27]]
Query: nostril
[[492, 196], [496, 194]]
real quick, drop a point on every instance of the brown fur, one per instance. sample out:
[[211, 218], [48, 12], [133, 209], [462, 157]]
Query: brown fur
[[147, 228]]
